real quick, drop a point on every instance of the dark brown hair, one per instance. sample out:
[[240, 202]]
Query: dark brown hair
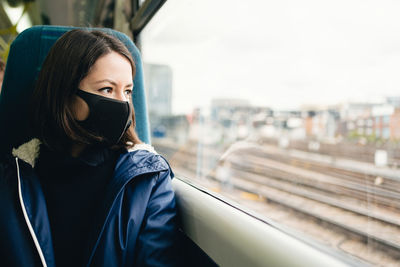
[[68, 62], [2, 65]]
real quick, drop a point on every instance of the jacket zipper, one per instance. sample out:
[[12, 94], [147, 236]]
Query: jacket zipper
[[21, 200]]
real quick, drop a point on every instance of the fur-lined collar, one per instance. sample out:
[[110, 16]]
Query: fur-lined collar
[[143, 146], [29, 151]]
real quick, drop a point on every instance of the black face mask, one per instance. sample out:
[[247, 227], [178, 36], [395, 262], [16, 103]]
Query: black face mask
[[108, 118]]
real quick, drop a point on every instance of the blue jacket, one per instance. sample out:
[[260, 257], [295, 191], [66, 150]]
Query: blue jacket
[[137, 227]]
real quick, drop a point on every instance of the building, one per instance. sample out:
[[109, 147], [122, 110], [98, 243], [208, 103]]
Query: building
[[158, 82]]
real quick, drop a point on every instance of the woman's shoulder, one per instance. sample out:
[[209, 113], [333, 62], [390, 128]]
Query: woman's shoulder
[[143, 147], [143, 157]]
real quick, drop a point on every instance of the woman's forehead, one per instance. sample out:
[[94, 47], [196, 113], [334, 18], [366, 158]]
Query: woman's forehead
[[111, 67]]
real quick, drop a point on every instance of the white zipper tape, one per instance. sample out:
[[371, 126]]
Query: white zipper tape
[[21, 200]]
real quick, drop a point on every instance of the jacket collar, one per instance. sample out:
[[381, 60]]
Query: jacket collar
[[143, 146], [29, 151]]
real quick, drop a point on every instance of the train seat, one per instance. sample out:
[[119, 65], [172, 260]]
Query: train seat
[[27, 54]]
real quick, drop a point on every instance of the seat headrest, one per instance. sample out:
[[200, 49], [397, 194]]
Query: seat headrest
[[25, 59]]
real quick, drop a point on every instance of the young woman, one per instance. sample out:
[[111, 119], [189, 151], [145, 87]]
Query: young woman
[[89, 192]]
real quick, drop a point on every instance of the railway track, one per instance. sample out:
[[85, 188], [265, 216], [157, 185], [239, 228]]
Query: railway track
[[382, 231], [352, 183], [349, 201], [308, 188], [341, 183], [327, 184]]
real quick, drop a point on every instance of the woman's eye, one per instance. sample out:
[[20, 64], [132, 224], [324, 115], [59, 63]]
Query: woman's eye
[[128, 92], [106, 90]]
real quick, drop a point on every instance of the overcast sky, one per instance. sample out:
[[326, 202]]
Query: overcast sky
[[281, 54]]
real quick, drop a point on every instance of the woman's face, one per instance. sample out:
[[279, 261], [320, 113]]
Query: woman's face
[[110, 76]]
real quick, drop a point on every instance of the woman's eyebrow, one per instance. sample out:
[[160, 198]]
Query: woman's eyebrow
[[106, 80], [112, 82]]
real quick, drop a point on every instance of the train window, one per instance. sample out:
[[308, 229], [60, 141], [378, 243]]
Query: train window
[[18, 16], [290, 108]]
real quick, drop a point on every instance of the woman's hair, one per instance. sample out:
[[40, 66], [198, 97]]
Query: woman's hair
[[68, 62], [2, 65]]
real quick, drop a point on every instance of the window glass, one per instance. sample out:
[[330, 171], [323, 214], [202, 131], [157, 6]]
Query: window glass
[[290, 108], [386, 119], [17, 16]]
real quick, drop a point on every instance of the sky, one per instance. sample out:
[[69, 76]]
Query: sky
[[281, 54]]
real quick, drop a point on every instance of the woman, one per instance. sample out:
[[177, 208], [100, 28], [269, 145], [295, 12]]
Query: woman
[[89, 192]]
